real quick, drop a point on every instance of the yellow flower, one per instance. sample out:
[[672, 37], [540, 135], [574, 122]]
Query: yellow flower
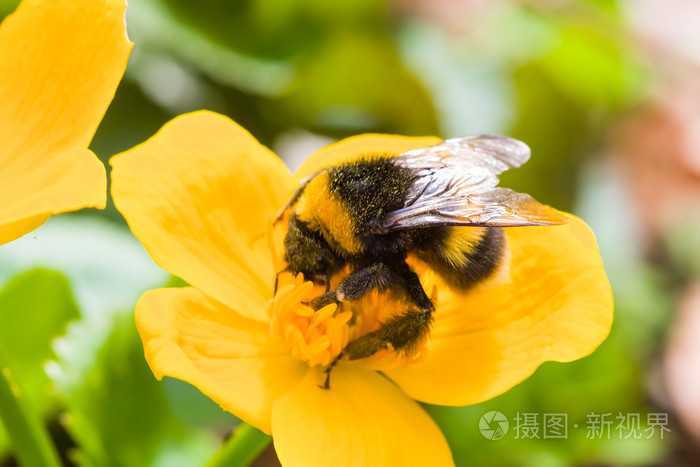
[[60, 63], [201, 195]]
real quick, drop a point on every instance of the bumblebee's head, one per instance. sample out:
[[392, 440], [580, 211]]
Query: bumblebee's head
[[308, 253]]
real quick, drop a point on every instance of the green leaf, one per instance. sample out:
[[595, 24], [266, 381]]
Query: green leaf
[[31, 443], [7, 7], [34, 309], [107, 267], [117, 411]]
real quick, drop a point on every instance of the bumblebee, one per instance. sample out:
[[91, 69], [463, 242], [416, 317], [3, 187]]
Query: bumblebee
[[440, 203]]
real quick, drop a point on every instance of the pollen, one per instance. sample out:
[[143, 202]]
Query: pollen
[[313, 336], [318, 337]]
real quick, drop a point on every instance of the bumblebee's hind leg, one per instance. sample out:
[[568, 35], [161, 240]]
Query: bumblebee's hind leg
[[403, 332], [353, 287]]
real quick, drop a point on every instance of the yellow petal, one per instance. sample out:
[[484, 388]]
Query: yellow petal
[[363, 419], [66, 181], [61, 63], [200, 195], [14, 230], [349, 148], [557, 306], [229, 358]]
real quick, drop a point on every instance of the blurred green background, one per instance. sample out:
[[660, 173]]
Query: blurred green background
[[605, 92]]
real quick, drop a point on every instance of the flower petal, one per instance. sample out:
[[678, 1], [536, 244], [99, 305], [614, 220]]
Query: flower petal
[[200, 195], [557, 306], [363, 419], [14, 230], [229, 358], [70, 180], [349, 148], [61, 63]]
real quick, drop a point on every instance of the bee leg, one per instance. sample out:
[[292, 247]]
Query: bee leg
[[323, 279], [327, 371], [323, 300], [403, 332], [277, 278], [353, 287]]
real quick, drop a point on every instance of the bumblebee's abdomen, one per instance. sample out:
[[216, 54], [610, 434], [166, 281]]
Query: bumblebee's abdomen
[[464, 256]]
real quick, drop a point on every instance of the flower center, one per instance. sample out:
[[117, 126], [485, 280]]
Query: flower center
[[313, 336], [319, 336]]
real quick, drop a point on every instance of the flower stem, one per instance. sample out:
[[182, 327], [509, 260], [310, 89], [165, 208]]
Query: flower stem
[[30, 440], [242, 448]]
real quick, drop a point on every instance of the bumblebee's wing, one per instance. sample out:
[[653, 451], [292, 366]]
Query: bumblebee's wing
[[455, 184]]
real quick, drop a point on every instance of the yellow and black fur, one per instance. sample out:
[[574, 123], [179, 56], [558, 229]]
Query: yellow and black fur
[[331, 225], [440, 203]]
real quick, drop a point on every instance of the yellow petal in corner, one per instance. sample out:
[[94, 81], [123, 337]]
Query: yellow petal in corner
[[200, 195], [64, 181], [363, 419], [231, 359], [61, 63]]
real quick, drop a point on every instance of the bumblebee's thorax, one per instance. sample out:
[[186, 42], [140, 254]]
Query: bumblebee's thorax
[[323, 212], [343, 202]]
